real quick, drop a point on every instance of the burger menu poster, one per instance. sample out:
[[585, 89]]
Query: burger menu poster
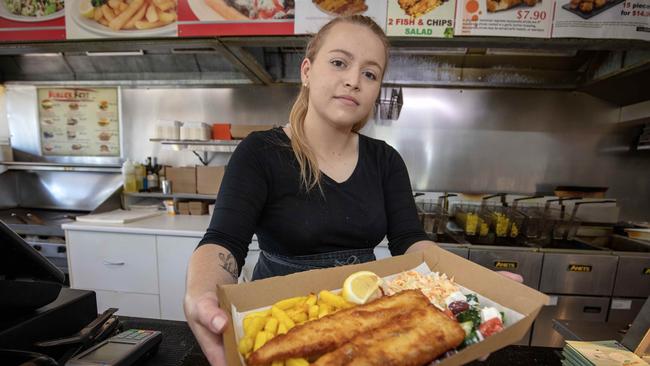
[[602, 19], [504, 18], [198, 18], [79, 121], [32, 20], [421, 18], [311, 15]]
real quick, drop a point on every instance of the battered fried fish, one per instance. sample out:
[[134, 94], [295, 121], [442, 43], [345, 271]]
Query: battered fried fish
[[318, 337], [412, 339]]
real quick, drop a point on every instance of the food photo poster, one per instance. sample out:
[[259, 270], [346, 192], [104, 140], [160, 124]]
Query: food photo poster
[[626, 19], [86, 19], [235, 17], [32, 20], [504, 18], [433, 18], [79, 121], [313, 14]]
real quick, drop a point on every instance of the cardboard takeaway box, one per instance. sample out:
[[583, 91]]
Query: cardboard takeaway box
[[241, 131], [183, 179], [208, 179], [506, 292]]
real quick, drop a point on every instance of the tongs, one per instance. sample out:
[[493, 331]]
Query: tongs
[[98, 330]]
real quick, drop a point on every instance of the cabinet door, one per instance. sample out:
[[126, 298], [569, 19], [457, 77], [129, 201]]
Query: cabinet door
[[112, 261], [174, 253], [129, 304]]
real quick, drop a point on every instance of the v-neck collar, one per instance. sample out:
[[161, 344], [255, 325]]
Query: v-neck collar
[[330, 179]]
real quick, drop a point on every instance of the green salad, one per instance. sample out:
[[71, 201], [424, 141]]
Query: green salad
[[34, 8]]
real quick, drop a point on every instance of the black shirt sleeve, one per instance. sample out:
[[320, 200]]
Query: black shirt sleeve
[[404, 228], [240, 201]]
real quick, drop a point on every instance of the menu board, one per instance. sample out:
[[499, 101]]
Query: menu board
[[32, 20], [504, 18], [79, 121], [627, 19], [311, 15], [120, 18], [411, 19], [235, 17]]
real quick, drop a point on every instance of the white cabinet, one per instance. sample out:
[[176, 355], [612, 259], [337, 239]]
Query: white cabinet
[[110, 261], [129, 304], [174, 253], [141, 274]]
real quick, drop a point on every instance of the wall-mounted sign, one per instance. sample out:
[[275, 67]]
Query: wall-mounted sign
[[504, 18], [235, 17], [311, 15], [120, 18], [32, 20], [413, 19], [602, 19], [79, 121]]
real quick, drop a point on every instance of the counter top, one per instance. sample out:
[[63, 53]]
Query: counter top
[[179, 348], [177, 225]]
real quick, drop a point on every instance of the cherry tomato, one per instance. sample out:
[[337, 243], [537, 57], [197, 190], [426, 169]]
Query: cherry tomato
[[490, 327]]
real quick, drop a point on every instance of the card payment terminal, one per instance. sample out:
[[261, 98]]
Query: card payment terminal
[[123, 349]]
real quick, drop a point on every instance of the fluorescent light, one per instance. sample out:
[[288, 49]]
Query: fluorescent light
[[51, 54], [116, 53], [527, 52]]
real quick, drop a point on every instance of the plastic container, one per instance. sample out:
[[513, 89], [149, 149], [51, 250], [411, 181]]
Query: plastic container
[[129, 177], [221, 131], [168, 130], [197, 131]]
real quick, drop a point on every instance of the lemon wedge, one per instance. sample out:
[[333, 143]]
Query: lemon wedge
[[361, 286], [86, 8]]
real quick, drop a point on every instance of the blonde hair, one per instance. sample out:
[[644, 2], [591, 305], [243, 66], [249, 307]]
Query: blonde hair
[[310, 175]]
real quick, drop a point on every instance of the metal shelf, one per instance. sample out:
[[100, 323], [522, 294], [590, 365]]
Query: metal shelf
[[226, 146], [171, 196]]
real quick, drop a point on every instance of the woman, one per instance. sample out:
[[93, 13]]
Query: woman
[[316, 193]]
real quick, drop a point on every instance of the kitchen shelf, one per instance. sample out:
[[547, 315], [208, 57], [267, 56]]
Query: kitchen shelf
[[226, 146], [171, 196]]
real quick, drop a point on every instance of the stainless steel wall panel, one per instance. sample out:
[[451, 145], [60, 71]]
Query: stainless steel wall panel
[[623, 311], [578, 274], [632, 275], [481, 141], [526, 263], [65, 190], [8, 190], [566, 308], [460, 251]]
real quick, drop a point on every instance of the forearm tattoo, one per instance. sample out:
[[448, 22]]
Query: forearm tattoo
[[229, 264]]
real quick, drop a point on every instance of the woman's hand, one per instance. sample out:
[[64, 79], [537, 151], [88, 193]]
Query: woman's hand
[[207, 322]]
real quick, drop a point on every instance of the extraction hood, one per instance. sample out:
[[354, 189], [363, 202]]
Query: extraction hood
[[613, 70]]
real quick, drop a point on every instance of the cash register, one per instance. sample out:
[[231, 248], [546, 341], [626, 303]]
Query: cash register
[[44, 323]]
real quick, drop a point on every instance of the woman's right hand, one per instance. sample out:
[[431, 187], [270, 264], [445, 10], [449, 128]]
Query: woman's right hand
[[208, 322]]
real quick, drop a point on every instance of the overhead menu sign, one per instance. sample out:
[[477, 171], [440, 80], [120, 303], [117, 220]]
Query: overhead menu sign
[[311, 15], [32, 20], [626, 19], [414, 19], [235, 17], [79, 121], [120, 18], [504, 18]]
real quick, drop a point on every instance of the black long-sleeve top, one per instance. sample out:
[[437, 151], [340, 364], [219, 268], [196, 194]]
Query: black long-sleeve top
[[261, 193]]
